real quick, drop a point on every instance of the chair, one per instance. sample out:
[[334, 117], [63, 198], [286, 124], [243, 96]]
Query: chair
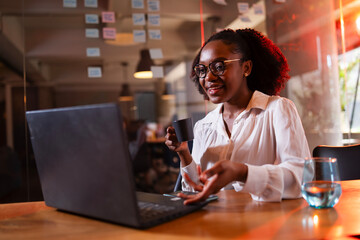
[[178, 185], [348, 158]]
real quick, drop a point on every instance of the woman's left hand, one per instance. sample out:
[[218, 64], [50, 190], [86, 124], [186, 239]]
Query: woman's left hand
[[214, 179]]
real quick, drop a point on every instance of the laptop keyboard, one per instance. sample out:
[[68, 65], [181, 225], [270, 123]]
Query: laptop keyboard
[[149, 210]]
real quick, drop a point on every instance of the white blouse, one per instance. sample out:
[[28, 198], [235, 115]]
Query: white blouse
[[267, 136]]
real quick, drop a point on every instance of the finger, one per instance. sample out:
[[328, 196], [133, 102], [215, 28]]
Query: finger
[[212, 185], [199, 174], [173, 139], [196, 187], [170, 130], [210, 188], [200, 197], [169, 142], [185, 196], [216, 169], [170, 145], [198, 169]]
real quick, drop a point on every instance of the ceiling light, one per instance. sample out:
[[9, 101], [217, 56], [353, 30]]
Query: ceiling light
[[143, 69], [125, 93], [168, 93]]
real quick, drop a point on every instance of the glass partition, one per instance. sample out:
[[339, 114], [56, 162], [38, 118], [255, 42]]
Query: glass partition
[[78, 52]]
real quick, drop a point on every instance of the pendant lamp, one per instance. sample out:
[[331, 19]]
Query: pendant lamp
[[125, 94], [168, 93], [143, 69]]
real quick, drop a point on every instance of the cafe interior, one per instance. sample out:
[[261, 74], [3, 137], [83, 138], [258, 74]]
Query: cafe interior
[[139, 54]]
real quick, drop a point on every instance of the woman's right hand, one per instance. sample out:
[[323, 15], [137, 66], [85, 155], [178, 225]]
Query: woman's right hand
[[172, 142]]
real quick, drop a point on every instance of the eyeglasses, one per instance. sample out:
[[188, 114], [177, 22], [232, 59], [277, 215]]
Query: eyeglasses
[[217, 68]]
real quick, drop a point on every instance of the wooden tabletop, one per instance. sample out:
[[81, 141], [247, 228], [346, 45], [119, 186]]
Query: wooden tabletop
[[233, 216]]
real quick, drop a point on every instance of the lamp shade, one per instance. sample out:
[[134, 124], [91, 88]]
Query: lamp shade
[[125, 93], [168, 93], [143, 69]]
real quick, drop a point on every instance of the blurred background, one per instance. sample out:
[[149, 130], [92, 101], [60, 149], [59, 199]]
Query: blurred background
[[62, 53]]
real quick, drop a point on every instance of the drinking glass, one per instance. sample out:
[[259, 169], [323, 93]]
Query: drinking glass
[[321, 186]]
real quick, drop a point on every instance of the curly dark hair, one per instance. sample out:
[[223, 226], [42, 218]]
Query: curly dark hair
[[270, 69]]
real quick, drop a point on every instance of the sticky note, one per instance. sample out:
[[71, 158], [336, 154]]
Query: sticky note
[[258, 9], [153, 5], [92, 33], [245, 19], [91, 18], [91, 3], [243, 7], [156, 53], [139, 35], [153, 19], [109, 33], [94, 72], [69, 3], [221, 2], [108, 17], [93, 52], [139, 4], [155, 34], [158, 71], [138, 19]]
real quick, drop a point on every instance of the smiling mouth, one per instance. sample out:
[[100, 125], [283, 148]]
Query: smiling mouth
[[214, 89]]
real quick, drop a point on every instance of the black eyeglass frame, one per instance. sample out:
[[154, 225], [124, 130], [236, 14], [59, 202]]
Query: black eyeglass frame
[[224, 62]]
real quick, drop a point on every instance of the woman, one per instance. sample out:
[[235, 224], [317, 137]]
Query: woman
[[253, 141]]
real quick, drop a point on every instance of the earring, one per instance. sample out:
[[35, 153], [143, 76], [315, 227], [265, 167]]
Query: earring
[[246, 74]]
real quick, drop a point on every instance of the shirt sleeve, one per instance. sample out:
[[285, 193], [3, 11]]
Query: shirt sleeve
[[273, 182]]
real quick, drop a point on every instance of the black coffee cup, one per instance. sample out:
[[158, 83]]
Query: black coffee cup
[[184, 129]]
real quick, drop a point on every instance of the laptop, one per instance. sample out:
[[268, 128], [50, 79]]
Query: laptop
[[84, 165]]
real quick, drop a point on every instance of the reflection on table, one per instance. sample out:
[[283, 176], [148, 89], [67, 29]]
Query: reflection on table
[[233, 216]]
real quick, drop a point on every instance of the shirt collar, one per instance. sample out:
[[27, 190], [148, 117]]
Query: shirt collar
[[258, 100]]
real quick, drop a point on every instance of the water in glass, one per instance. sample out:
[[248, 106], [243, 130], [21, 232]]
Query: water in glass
[[321, 186]]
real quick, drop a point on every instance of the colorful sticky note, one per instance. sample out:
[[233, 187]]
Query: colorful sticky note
[[156, 53], [109, 33], [69, 3], [221, 2], [245, 19], [153, 5], [108, 17], [91, 3], [93, 52], [158, 71], [258, 8], [155, 34], [243, 7], [138, 19], [92, 33], [94, 72], [91, 18], [139, 4], [139, 35], [154, 19]]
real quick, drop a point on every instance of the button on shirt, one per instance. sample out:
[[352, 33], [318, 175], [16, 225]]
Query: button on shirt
[[267, 136]]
